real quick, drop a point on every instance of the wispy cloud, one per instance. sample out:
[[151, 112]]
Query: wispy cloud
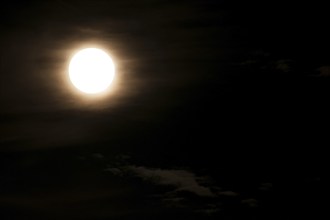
[[266, 186], [228, 193], [324, 70], [283, 65], [182, 179], [253, 203]]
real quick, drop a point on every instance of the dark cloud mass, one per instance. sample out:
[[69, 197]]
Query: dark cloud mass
[[218, 110]]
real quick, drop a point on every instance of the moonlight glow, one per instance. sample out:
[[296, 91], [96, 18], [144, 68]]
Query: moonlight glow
[[91, 70]]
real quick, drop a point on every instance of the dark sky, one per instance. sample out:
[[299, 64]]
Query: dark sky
[[219, 110]]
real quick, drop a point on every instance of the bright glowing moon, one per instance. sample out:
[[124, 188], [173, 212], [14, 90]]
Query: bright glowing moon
[[91, 70]]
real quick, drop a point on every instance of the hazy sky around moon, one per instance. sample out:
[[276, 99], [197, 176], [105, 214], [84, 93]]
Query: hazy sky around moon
[[158, 59]]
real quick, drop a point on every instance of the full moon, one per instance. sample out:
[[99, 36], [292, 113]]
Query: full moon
[[91, 70]]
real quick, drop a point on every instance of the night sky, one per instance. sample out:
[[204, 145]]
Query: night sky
[[219, 110]]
